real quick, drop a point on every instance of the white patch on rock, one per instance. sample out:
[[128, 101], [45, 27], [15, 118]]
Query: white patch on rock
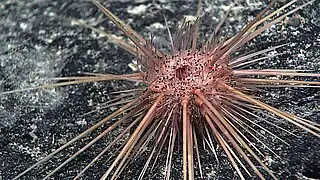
[[157, 25], [133, 66], [23, 26], [138, 9], [82, 122], [190, 18], [300, 55]]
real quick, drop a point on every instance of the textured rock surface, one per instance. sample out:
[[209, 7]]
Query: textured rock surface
[[38, 42]]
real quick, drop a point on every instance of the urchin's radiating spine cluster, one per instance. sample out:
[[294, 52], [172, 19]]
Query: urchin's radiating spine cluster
[[196, 92]]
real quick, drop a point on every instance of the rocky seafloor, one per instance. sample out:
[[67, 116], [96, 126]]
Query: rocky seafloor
[[38, 41]]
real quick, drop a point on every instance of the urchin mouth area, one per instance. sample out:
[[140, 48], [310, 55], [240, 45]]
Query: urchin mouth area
[[182, 74]]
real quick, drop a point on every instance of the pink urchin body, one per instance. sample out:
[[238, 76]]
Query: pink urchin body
[[181, 74]]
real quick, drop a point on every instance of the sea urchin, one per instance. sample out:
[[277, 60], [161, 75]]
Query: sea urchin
[[201, 93]]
